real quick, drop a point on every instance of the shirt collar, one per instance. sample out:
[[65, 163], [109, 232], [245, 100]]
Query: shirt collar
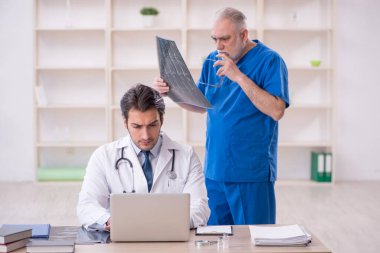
[[155, 151]]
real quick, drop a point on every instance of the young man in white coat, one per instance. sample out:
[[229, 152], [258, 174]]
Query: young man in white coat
[[144, 161]]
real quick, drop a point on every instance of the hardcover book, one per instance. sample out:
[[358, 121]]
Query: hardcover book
[[11, 234], [13, 245]]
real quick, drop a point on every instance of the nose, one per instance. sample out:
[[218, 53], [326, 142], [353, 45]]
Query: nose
[[219, 45], [144, 133]]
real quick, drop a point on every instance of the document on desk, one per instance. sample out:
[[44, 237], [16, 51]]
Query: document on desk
[[214, 230], [289, 235]]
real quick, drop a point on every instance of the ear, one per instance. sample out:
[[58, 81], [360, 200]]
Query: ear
[[244, 34], [126, 123]]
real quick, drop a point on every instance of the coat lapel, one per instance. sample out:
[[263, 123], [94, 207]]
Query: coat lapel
[[165, 157]]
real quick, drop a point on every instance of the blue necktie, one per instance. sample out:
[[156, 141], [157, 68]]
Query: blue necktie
[[147, 168]]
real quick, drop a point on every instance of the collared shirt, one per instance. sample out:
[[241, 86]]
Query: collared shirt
[[154, 153]]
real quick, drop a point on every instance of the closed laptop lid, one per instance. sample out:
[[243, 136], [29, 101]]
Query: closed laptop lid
[[150, 217]]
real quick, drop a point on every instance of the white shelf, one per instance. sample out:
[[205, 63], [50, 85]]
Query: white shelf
[[296, 30], [133, 67], [309, 106], [69, 144], [71, 107], [70, 29], [54, 68], [305, 144], [147, 29]]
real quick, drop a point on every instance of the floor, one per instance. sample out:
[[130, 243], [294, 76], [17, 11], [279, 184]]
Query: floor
[[345, 216]]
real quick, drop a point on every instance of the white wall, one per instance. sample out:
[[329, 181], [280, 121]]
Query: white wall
[[358, 88], [16, 82], [357, 102]]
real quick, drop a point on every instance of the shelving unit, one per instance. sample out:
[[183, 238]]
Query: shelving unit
[[89, 52]]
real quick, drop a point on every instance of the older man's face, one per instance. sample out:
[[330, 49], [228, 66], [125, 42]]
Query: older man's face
[[228, 38]]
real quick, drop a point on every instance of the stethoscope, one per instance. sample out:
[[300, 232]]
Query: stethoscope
[[171, 174]]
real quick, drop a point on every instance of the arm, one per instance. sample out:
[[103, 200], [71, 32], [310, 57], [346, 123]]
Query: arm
[[195, 185], [264, 101], [163, 89], [94, 195]]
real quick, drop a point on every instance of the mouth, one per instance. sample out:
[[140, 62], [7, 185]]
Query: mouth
[[223, 52], [145, 143]]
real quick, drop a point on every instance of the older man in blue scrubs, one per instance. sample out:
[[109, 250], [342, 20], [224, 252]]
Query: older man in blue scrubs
[[247, 84]]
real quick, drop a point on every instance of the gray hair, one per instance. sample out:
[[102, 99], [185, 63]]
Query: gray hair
[[237, 17]]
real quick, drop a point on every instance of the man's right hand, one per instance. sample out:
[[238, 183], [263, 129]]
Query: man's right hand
[[107, 226], [160, 86]]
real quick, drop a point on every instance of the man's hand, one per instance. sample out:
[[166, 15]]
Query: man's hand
[[107, 226], [160, 86], [228, 67]]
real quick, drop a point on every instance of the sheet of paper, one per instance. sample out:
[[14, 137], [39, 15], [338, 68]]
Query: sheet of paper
[[214, 230], [176, 74], [276, 232]]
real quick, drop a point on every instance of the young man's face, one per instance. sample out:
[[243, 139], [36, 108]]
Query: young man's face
[[228, 39], [144, 127]]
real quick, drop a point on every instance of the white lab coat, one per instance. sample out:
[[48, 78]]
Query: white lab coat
[[102, 179]]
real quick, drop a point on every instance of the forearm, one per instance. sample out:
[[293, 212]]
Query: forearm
[[195, 185], [265, 102]]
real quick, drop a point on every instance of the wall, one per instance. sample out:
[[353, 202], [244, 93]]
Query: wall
[[357, 103], [358, 87], [16, 81]]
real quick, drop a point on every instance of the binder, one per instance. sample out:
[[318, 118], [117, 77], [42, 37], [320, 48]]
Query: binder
[[321, 166]]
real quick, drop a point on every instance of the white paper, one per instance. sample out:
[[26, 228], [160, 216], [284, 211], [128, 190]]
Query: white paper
[[321, 165], [328, 163], [279, 235], [214, 230], [277, 232]]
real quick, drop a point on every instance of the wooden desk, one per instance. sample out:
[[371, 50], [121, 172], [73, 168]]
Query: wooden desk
[[239, 242]]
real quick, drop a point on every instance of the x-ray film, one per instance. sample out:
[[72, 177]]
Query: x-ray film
[[176, 74]]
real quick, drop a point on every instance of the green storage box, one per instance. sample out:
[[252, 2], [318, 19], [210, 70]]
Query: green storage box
[[321, 166], [60, 174]]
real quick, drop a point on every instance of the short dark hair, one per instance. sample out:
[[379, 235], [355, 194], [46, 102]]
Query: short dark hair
[[142, 98]]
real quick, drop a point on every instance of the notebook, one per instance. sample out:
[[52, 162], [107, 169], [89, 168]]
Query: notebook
[[150, 217]]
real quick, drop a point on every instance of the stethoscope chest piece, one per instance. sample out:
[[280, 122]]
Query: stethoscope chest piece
[[172, 175]]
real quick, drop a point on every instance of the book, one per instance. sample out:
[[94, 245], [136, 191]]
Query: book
[[11, 234], [214, 230], [13, 245], [289, 235], [35, 246], [38, 230]]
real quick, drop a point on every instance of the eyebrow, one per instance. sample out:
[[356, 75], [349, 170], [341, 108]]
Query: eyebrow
[[225, 37], [151, 123]]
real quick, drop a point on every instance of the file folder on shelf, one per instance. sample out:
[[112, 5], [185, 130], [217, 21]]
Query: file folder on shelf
[[321, 166]]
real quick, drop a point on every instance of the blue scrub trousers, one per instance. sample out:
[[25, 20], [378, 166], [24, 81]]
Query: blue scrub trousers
[[241, 203]]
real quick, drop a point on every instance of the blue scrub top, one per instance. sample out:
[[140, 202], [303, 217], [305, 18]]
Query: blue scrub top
[[241, 141]]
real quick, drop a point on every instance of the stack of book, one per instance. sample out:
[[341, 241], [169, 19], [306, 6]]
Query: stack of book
[[42, 246], [13, 238], [290, 235]]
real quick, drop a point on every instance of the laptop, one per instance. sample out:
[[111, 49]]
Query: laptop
[[150, 217]]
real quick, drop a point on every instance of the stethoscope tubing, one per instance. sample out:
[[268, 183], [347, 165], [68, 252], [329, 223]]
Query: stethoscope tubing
[[172, 174]]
